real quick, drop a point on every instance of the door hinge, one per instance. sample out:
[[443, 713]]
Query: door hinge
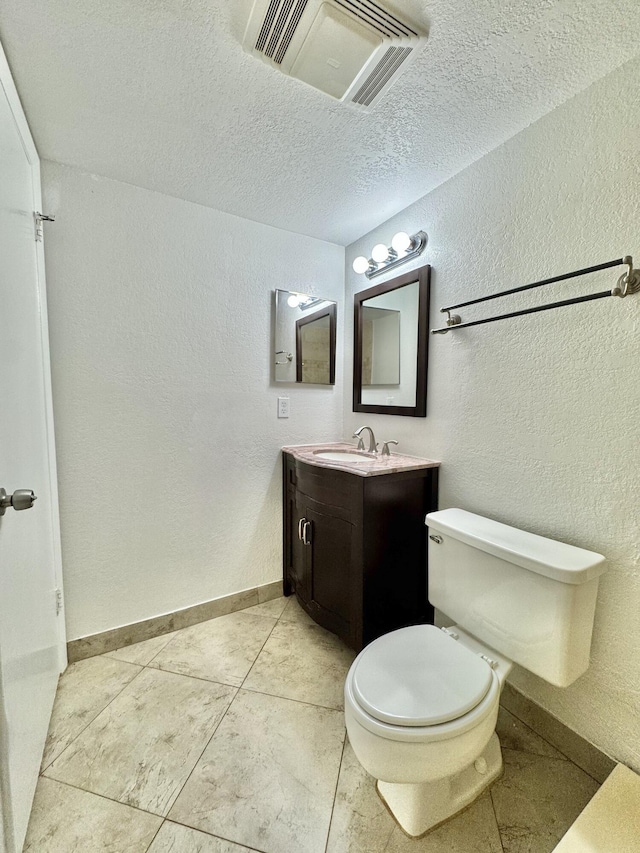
[[38, 219], [59, 602]]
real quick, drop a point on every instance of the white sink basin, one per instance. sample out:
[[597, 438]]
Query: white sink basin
[[343, 456]]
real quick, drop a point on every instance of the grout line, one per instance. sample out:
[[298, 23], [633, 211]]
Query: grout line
[[103, 797], [93, 719], [211, 835], [255, 660], [168, 643], [564, 756], [290, 699], [164, 820], [173, 799], [495, 817], [188, 675], [562, 759], [537, 734], [335, 790]]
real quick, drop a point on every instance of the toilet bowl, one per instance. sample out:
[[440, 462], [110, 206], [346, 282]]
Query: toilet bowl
[[421, 703], [420, 707]]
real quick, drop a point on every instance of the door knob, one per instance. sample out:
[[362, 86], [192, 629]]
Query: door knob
[[20, 499]]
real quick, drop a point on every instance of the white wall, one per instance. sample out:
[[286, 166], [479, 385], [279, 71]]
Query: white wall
[[165, 408], [536, 420]]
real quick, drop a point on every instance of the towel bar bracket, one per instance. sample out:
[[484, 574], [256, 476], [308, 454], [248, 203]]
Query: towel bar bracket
[[629, 281]]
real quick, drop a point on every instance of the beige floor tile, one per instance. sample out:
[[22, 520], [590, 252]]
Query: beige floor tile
[[142, 653], [174, 838], [221, 649], [472, 831], [142, 747], [66, 820], [294, 613], [362, 824], [268, 777], [514, 734], [537, 799], [272, 608], [302, 662], [84, 689]]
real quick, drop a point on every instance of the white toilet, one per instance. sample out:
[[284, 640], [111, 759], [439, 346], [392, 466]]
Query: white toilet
[[421, 703]]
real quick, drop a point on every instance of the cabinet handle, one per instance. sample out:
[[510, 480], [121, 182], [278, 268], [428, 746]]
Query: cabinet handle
[[301, 523], [305, 537]]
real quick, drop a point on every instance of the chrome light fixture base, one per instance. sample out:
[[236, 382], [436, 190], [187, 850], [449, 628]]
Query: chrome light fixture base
[[415, 248]]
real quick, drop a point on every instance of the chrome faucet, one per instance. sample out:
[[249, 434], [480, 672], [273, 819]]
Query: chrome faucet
[[373, 447]]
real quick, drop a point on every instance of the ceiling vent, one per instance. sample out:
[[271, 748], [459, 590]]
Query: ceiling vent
[[351, 49]]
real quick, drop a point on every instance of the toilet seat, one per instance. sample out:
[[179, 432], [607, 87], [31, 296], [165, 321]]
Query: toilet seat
[[367, 714], [419, 676]]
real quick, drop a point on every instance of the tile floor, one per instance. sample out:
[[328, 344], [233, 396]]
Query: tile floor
[[228, 737]]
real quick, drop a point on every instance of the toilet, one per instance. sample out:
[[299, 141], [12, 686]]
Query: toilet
[[421, 703]]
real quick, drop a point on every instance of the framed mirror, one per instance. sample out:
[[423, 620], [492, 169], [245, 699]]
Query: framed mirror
[[390, 346], [305, 339]]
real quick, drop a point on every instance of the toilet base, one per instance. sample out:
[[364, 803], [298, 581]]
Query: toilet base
[[419, 808]]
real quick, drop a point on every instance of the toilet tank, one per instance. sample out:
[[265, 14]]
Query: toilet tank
[[532, 599]]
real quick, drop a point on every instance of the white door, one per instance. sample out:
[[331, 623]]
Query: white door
[[31, 634]]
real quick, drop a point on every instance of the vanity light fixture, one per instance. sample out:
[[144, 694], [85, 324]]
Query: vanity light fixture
[[302, 301], [403, 248]]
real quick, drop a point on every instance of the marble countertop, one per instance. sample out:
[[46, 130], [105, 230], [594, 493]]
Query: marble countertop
[[371, 466]]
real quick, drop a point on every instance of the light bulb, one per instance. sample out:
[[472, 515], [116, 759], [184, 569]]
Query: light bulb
[[293, 301], [361, 264], [401, 241], [380, 253]]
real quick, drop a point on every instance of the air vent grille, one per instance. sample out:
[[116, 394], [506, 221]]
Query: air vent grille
[[381, 74], [352, 50], [278, 28], [378, 18]]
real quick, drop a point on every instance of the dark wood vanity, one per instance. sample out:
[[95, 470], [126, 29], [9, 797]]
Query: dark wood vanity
[[355, 552]]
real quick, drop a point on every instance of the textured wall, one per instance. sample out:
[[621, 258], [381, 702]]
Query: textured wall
[[160, 313], [536, 419]]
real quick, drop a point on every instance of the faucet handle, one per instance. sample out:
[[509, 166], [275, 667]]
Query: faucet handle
[[385, 447], [360, 441]]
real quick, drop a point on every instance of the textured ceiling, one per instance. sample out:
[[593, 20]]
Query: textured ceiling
[[159, 93]]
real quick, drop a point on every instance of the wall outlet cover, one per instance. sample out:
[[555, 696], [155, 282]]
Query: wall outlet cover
[[283, 407]]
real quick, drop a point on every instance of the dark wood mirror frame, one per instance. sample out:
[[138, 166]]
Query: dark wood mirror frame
[[422, 276], [330, 312]]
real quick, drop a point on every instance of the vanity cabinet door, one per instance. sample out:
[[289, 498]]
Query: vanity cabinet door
[[298, 572], [329, 559]]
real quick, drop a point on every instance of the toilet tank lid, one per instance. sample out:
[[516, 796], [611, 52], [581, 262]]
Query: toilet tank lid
[[556, 560]]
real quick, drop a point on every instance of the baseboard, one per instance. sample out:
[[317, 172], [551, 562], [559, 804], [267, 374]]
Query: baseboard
[[116, 638], [587, 756]]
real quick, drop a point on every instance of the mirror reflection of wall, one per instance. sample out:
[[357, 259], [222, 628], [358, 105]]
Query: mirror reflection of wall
[[313, 348], [305, 338], [389, 384], [380, 346]]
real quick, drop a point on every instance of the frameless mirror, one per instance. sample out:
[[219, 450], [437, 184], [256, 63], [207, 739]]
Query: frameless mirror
[[390, 346], [305, 339]]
